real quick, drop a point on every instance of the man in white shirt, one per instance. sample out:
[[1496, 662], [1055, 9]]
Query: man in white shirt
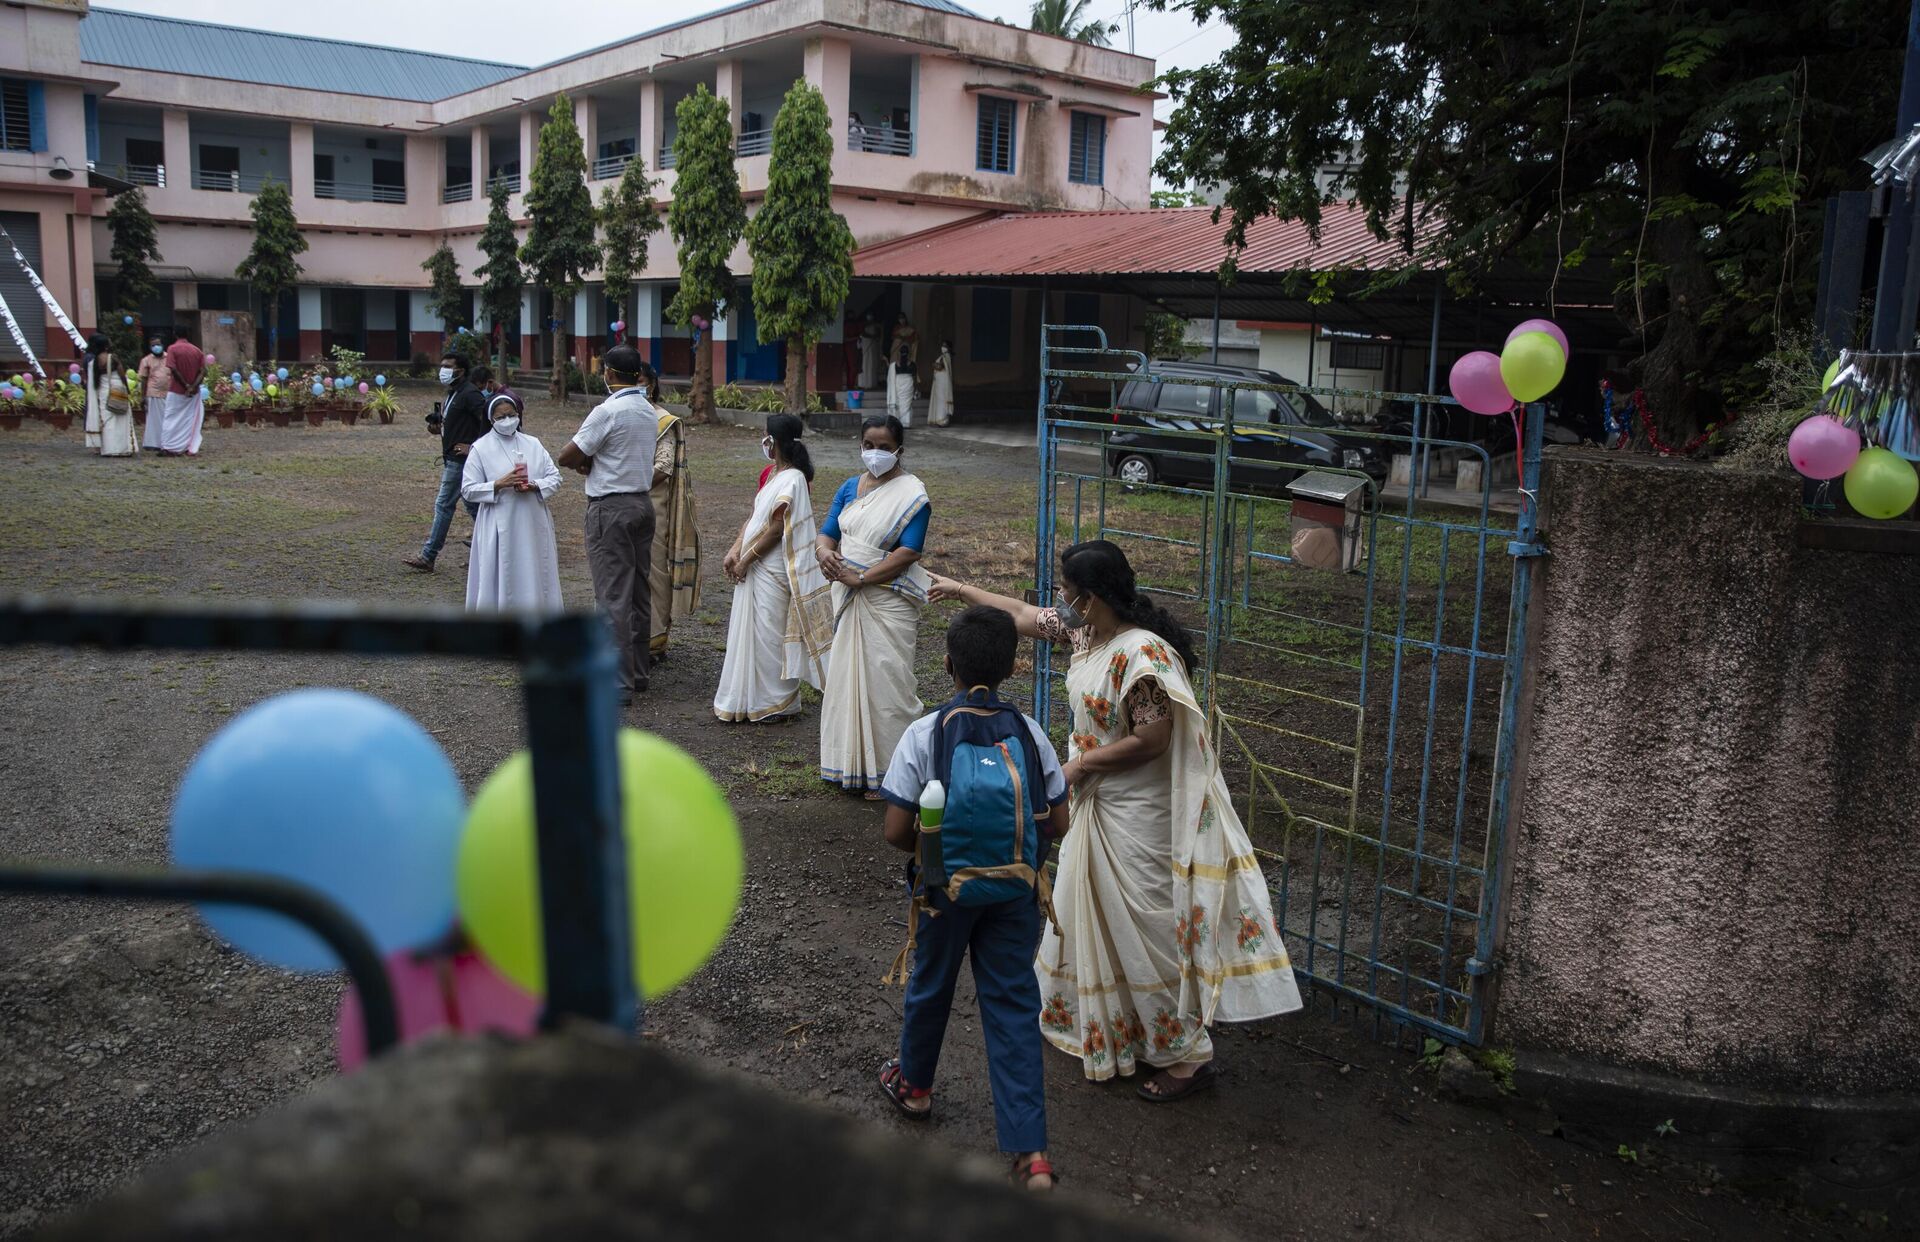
[[614, 448]]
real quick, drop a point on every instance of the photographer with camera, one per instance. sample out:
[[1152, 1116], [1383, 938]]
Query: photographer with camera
[[459, 421]]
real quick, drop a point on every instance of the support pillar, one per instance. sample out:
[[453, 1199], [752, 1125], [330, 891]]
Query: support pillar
[[176, 149], [312, 321], [300, 168], [586, 118], [477, 155], [383, 336], [828, 67], [728, 82], [651, 134], [529, 145], [424, 330]]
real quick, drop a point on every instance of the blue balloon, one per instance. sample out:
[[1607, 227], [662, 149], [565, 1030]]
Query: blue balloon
[[282, 373], [204, 394], [319, 390], [380, 381], [255, 384], [335, 790], [236, 377], [126, 319]]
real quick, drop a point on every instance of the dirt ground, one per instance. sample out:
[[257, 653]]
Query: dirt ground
[[126, 1033]]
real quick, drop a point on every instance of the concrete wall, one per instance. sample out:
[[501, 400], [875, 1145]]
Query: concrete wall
[[1716, 872]]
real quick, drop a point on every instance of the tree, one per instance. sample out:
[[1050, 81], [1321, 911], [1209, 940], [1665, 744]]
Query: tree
[[272, 267], [560, 249], [628, 218], [445, 298], [802, 249], [1069, 20], [500, 275], [135, 242], [1685, 151], [707, 218]]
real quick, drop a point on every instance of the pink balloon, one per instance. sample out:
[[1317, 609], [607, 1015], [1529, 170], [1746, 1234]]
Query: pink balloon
[[363, 386], [437, 993], [1475, 383], [1547, 326], [1823, 447], [211, 358]]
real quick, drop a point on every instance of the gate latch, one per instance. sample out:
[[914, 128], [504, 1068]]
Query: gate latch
[[1475, 967], [1526, 547]]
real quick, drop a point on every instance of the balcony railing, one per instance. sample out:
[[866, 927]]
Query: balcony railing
[[510, 180], [143, 174], [611, 166], [462, 193], [880, 139], [227, 182], [359, 191], [754, 142], [666, 159]]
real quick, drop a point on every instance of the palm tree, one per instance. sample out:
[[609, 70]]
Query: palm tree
[[1068, 19]]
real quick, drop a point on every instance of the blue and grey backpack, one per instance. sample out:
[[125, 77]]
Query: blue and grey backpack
[[989, 846]]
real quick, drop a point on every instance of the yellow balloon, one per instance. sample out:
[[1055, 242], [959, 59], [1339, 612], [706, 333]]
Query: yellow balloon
[[684, 866], [1881, 484], [1532, 364]]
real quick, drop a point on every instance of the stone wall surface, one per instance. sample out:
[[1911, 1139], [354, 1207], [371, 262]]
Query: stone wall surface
[[1716, 872], [583, 1134]]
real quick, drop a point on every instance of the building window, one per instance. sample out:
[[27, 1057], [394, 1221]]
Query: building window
[[16, 115], [992, 336], [993, 150], [1087, 153], [1358, 355]]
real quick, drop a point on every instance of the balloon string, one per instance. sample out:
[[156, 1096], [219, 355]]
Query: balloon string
[[449, 992]]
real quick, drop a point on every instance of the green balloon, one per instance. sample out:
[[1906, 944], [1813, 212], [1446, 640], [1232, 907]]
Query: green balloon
[[684, 866], [1881, 484], [1833, 373], [273, 390], [1532, 364]]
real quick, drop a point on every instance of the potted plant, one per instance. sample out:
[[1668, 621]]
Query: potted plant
[[12, 409], [63, 401], [382, 405]]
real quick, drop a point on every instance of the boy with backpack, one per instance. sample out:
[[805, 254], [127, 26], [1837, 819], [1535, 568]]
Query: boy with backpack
[[972, 790]]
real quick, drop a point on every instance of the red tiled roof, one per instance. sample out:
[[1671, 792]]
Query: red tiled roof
[[1166, 242]]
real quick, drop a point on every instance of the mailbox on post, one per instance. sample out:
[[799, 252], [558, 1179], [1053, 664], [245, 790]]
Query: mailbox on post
[[1327, 513]]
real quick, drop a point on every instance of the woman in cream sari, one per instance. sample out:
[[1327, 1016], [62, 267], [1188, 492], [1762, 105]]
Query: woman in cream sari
[[781, 627], [1165, 925], [869, 548], [675, 573]]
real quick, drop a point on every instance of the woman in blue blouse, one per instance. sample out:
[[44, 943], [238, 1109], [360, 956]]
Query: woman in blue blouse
[[869, 549]]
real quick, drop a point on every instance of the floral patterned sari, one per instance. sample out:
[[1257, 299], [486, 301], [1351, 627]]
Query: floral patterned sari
[[1164, 920]]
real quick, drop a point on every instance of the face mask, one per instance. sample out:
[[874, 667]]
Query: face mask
[[1069, 612], [506, 427], [879, 461], [766, 449], [156, 351], [446, 375]]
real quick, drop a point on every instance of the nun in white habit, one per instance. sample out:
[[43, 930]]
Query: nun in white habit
[[510, 475]]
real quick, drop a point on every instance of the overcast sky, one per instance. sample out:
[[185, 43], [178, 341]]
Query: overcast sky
[[529, 35]]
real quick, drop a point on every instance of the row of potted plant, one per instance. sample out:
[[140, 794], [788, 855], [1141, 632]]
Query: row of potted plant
[[55, 401], [278, 395]]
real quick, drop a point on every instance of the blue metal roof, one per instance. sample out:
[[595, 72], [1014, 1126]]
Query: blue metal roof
[[239, 54], [235, 53]]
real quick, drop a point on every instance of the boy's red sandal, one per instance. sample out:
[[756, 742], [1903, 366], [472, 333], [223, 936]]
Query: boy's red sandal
[[1037, 1167], [894, 1085]]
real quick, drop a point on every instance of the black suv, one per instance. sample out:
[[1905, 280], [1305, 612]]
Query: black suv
[[1277, 436]]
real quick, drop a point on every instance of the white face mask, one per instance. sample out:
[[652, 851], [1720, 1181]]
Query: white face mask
[[1069, 610], [446, 375], [766, 449], [506, 427], [879, 461]]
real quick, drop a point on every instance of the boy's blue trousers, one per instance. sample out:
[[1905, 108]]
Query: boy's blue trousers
[[1003, 938]]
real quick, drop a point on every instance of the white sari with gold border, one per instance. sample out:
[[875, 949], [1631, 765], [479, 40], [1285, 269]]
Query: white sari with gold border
[[780, 630]]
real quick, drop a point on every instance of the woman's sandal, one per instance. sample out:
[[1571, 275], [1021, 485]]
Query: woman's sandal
[[1037, 1167], [894, 1085], [1164, 1088]]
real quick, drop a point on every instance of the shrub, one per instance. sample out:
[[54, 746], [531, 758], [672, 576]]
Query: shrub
[[1793, 373], [421, 365]]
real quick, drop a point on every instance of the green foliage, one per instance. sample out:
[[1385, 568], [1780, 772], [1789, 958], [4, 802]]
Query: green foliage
[[708, 215], [1789, 390], [470, 349], [560, 249], [801, 247], [1166, 336], [272, 267], [420, 365], [445, 298], [1626, 1154], [628, 218], [758, 400], [500, 278], [1683, 154], [1432, 1052], [1069, 20], [1166, 199], [136, 242], [1498, 1062]]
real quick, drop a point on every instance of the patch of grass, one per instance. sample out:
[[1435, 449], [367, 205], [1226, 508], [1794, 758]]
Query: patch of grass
[[784, 776]]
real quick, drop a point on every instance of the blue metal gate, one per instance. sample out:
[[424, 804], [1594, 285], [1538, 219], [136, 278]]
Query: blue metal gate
[[1365, 716]]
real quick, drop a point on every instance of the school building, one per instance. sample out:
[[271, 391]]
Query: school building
[[940, 116]]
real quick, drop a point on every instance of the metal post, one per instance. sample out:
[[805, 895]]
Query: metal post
[[1216, 310], [1433, 377], [572, 732], [1043, 535], [1890, 299]]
